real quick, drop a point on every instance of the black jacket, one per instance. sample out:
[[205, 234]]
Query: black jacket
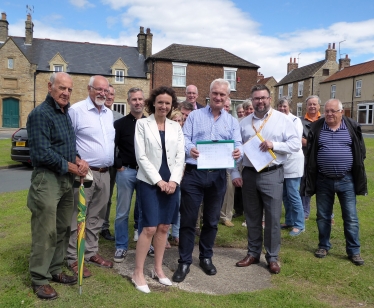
[[358, 151]]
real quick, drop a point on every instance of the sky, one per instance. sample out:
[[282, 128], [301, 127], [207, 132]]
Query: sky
[[266, 33]]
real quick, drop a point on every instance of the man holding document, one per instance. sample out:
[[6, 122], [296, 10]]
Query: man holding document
[[269, 136], [205, 180]]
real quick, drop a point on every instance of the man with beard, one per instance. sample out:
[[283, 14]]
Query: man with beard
[[93, 125]]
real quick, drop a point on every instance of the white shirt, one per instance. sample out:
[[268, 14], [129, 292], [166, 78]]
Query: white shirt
[[94, 132], [278, 129]]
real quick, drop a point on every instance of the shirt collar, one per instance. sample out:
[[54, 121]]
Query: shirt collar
[[91, 105], [342, 126], [309, 119], [264, 117]]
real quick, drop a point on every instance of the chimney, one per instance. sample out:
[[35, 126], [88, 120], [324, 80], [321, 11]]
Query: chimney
[[149, 39], [292, 66], [3, 28], [141, 41], [259, 76], [330, 54], [29, 29], [345, 62]]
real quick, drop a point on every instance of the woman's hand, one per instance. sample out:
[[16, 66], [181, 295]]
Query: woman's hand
[[171, 188], [163, 185]]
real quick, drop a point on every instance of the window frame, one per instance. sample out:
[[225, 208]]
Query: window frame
[[231, 81], [120, 107], [181, 77], [55, 66], [280, 91], [358, 89], [119, 76], [10, 63], [300, 88], [299, 110], [290, 86], [333, 91], [369, 113]]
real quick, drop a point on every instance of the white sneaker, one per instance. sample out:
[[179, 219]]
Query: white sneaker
[[244, 224], [136, 235]]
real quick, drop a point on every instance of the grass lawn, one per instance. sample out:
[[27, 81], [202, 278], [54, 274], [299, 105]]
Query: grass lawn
[[5, 160], [304, 281]]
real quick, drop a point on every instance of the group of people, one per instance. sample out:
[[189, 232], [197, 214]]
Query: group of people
[[157, 156]]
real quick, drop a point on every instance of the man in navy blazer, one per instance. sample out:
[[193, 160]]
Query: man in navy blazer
[[191, 96]]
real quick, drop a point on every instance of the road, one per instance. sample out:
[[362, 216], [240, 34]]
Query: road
[[6, 133], [15, 179]]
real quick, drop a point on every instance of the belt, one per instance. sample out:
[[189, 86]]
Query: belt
[[136, 167], [190, 167], [335, 178], [267, 169], [101, 170]]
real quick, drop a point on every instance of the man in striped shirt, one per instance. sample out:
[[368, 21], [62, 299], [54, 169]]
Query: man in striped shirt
[[335, 164]]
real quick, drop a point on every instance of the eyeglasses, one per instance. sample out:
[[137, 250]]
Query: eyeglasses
[[332, 111], [262, 98], [99, 90]]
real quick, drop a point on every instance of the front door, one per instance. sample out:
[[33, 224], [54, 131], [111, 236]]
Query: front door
[[10, 112]]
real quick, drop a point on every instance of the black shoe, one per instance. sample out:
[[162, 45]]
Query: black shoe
[[181, 272], [237, 215], [207, 266], [106, 234]]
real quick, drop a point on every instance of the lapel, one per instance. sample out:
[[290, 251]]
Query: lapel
[[154, 129]]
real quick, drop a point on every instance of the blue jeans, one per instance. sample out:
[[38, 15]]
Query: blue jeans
[[292, 203], [126, 184], [175, 227], [344, 188]]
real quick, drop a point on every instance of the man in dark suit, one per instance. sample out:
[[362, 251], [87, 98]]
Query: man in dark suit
[[192, 95]]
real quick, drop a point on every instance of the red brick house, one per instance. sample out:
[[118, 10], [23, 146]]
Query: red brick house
[[178, 66]]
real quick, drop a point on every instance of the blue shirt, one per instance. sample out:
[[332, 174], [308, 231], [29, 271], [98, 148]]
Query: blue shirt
[[334, 157], [200, 125]]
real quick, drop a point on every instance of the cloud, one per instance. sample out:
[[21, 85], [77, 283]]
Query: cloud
[[82, 4], [214, 23]]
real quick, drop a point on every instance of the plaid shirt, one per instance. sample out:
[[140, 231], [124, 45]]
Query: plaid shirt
[[51, 137]]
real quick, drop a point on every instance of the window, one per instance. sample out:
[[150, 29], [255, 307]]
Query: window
[[299, 111], [333, 91], [10, 63], [58, 68], [280, 91], [325, 72], [358, 88], [120, 107], [300, 88], [230, 75], [290, 89], [365, 113], [179, 74], [120, 76]]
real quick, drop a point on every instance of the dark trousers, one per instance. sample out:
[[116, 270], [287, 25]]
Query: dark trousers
[[198, 186], [112, 173], [238, 201]]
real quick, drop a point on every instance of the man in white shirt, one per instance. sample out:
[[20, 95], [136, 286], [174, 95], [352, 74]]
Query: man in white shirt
[[93, 125], [263, 190]]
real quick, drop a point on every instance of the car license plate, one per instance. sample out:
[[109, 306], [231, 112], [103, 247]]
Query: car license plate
[[20, 143]]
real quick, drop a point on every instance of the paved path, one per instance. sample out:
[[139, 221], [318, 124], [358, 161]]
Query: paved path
[[229, 279]]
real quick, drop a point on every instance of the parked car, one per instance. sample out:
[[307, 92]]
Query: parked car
[[20, 147]]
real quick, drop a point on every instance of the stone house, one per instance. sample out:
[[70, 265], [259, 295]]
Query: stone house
[[353, 86], [300, 82], [270, 82], [179, 65], [26, 64]]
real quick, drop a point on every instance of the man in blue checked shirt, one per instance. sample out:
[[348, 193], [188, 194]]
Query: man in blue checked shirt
[[50, 199], [209, 123]]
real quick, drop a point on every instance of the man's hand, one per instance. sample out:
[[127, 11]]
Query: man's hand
[[194, 153], [82, 167], [236, 154], [266, 145], [238, 182], [304, 142]]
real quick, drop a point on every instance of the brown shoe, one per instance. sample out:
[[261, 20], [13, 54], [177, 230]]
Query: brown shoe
[[247, 261], [99, 261], [228, 223], [74, 268], [64, 279], [274, 267], [45, 291]]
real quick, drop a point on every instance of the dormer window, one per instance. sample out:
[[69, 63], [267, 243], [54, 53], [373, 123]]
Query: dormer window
[[120, 76], [58, 68]]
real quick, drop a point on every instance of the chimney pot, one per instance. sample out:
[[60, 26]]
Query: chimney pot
[[29, 17], [294, 60], [333, 45], [3, 16], [148, 31], [141, 30], [290, 59], [346, 56]]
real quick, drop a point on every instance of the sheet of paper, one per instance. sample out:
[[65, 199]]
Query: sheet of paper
[[215, 155], [258, 158]]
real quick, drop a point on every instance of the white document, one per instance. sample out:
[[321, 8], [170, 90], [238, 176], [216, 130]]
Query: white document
[[215, 155], [258, 158]]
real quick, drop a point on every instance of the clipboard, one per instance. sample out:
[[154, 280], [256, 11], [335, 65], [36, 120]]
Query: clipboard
[[215, 154]]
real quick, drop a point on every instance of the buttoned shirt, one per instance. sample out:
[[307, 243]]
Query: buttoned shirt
[[94, 132], [51, 137], [278, 129], [201, 126]]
